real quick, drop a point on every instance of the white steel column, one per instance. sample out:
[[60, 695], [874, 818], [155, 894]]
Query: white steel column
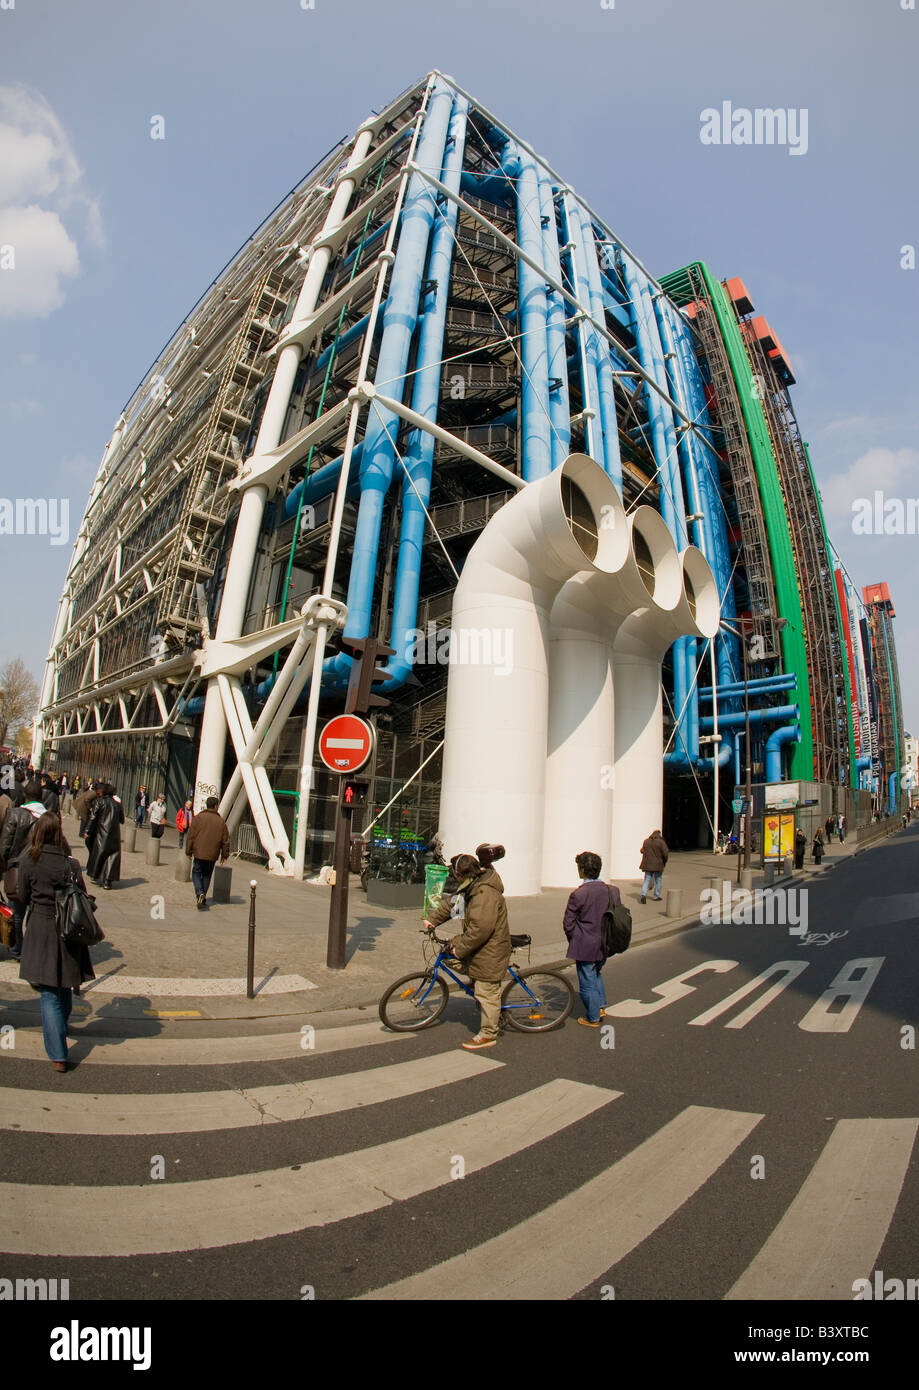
[[308, 740], [249, 524]]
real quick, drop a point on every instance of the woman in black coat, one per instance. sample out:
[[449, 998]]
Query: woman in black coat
[[50, 966], [103, 837]]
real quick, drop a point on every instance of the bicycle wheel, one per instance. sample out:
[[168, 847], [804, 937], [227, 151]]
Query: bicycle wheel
[[413, 1002], [544, 1004]]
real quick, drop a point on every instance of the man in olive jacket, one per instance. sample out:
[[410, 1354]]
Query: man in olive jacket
[[654, 856], [207, 838], [485, 943]]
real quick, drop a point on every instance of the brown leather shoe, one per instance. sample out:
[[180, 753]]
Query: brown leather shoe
[[588, 1023], [59, 1066]]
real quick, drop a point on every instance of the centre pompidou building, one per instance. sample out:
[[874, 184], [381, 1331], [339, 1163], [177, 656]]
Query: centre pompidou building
[[433, 392]]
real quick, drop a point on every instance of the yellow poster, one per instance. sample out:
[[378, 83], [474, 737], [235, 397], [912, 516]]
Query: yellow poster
[[778, 836]]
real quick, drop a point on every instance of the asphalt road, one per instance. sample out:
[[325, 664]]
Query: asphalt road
[[693, 1148]]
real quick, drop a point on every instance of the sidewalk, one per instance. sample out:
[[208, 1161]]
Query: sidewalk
[[163, 959]]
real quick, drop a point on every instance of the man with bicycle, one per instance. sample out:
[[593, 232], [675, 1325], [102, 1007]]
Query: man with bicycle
[[485, 943]]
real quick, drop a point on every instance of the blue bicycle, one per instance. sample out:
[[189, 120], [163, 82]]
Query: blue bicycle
[[533, 1001]]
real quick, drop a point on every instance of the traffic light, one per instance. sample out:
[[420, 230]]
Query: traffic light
[[354, 793], [365, 673]]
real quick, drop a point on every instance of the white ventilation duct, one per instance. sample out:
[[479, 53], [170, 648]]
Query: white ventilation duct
[[498, 694], [638, 651], [581, 772]]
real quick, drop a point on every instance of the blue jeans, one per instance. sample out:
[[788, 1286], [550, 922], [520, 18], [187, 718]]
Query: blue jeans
[[590, 984], [56, 1004], [656, 880], [201, 873]]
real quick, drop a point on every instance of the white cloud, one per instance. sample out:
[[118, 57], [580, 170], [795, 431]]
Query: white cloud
[[44, 256], [894, 472], [41, 199]]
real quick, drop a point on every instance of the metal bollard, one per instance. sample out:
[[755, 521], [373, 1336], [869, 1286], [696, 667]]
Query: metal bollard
[[153, 850], [746, 879], [130, 836], [250, 962], [788, 867], [183, 868], [769, 874], [714, 883], [674, 902]]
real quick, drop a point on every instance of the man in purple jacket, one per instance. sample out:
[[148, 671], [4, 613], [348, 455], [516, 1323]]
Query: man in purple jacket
[[583, 919]]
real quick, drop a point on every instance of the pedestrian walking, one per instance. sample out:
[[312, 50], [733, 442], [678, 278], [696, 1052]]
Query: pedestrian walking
[[158, 817], [800, 847], [49, 795], [841, 825], [207, 839], [583, 925], [828, 827], [654, 856], [819, 846], [82, 805], [13, 840], [49, 965], [184, 817], [485, 943], [103, 837], [140, 805]]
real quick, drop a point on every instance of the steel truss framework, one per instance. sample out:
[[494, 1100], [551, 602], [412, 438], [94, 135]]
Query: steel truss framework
[[193, 565]]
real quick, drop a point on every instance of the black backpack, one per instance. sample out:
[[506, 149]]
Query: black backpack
[[615, 928]]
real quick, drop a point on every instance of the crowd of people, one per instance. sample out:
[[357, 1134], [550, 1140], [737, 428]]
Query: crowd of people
[[36, 862]]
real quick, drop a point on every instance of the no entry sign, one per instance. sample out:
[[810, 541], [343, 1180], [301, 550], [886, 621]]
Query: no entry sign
[[346, 743]]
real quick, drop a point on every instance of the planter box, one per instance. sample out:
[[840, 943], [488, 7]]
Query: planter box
[[401, 896]]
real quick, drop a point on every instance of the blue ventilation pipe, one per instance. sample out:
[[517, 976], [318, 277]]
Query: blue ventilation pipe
[[758, 687], [603, 364], [399, 320], [774, 744], [419, 454], [536, 446], [726, 645], [559, 404], [736, 719], [590, 389]]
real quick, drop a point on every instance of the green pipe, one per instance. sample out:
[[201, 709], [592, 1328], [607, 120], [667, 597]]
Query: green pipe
[[843, 645], [788, 601]]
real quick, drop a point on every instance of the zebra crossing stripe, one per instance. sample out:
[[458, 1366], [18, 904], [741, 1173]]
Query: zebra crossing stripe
[[539, 1259], [187, 1112], [832, 1232], [160, 1217], [203, 1052]]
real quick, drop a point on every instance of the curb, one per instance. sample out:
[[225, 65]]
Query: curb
[[196, 1009]]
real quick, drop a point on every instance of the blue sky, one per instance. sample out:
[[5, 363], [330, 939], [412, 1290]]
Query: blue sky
[[126, 232]]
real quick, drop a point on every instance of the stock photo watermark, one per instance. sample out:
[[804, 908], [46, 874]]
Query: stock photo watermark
[[761, 907], [36, 516], [881, 515], [466, 646], [762, 125]]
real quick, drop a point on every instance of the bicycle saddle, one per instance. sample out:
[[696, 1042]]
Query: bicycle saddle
[[520, 941]]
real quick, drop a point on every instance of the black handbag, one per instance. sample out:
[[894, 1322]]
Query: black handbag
[[74, 913]]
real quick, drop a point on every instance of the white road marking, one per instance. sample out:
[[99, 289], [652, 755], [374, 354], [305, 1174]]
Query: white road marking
[[818, 1018], [174, 987], [205, 1052], [561, 1250], [788, 969], [670, 990], [160, 1217], [47, 1112], [832, 1232]]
